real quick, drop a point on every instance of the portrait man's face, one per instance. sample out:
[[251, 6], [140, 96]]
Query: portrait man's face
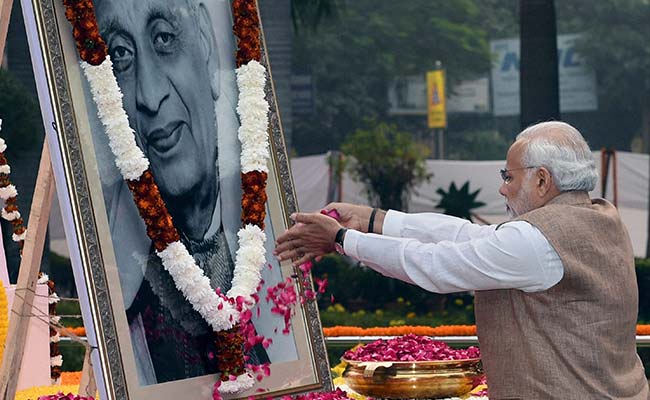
[[163, 54]]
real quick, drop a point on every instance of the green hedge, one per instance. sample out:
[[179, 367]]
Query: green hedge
[[643, 279], [358, 296]]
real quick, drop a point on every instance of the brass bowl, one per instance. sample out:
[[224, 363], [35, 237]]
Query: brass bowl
[[413, 379]]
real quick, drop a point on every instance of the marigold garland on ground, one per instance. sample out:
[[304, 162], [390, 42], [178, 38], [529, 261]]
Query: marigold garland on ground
[[442, 330]]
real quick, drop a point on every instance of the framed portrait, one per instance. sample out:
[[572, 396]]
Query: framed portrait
[[174, 61]]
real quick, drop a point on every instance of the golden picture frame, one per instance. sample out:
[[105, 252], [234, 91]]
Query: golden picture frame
[[122, 296]]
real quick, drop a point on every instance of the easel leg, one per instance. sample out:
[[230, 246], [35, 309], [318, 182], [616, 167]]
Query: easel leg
[[87, 385], [30, 265], [5, 14]]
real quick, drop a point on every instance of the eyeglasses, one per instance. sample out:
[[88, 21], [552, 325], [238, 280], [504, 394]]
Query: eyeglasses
[[507, 178]]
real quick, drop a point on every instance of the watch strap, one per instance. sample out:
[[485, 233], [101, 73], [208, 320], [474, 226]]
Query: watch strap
[[340, 235]]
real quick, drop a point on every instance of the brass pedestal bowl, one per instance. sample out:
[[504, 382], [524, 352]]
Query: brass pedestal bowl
[[413, 379]]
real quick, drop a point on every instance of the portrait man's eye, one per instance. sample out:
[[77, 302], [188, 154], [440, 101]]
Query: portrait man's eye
[[164, 37], [121, 55]]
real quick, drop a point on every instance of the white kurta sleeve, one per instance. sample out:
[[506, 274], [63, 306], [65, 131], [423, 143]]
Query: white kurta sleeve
[[516, 256], [433, 227]]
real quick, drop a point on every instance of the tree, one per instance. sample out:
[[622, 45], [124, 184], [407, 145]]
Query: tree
[[354, 57], [388, 162], [616, 42], [308, 14], [21, 120]]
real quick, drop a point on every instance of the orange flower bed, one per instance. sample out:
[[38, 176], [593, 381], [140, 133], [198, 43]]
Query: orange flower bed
[[79, 331], [643, 329], [443, 330], [70, 378]]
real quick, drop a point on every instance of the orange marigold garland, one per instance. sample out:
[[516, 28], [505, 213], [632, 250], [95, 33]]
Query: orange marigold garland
[[90, 45], [152, 208], [253, 137], [254, 198], [247, 30]]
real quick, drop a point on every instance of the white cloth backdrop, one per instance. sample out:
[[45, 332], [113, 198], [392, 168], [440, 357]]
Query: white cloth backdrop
[[311, 177]]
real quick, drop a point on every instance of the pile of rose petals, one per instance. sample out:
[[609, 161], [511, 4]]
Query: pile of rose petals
[[337, 394], [409, 348]]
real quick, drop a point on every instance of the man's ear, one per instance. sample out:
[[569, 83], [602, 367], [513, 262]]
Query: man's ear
[[544, 181], [209, 48]]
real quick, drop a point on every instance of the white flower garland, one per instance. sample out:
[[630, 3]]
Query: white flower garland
[[250, 257], [107, 95], [7, 193], [253, 110], [56, 361], [243, 382]]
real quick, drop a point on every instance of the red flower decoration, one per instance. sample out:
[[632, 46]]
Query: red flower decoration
[[410, 348]]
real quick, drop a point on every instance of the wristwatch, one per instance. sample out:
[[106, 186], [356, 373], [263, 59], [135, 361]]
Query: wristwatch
[[338, 241]]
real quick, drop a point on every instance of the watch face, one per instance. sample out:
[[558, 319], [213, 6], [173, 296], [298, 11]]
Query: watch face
[[339, 248]]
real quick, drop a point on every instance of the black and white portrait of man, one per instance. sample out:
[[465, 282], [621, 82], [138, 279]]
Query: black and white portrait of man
[[174, 63]]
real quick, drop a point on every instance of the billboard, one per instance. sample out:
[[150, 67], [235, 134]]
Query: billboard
[[408, 96], [577, 80], [436, 99]]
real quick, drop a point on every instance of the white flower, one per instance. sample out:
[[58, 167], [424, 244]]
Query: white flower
[[56, 338], [55, 319], [3, 145], [253, 109], [5, 169], [43, 279], [18, 238], [249, 261], [195, 286], [243, 382], [8, 192], [107, 95], [56, 361], [53, 298], [10, 216]]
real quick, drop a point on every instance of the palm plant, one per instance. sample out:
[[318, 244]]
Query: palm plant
[[459, 203]]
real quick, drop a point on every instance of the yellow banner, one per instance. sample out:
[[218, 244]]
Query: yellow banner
[[436, 99]]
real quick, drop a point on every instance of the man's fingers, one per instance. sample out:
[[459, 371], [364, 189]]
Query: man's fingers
[[301, 260], [306, 218], [290, 234]]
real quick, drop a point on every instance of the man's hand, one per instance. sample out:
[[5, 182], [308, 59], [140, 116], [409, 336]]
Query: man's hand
[[312, 236], [357, 217], [352, 216]]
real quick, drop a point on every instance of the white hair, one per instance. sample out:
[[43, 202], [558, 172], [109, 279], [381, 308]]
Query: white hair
[[560, 148]]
